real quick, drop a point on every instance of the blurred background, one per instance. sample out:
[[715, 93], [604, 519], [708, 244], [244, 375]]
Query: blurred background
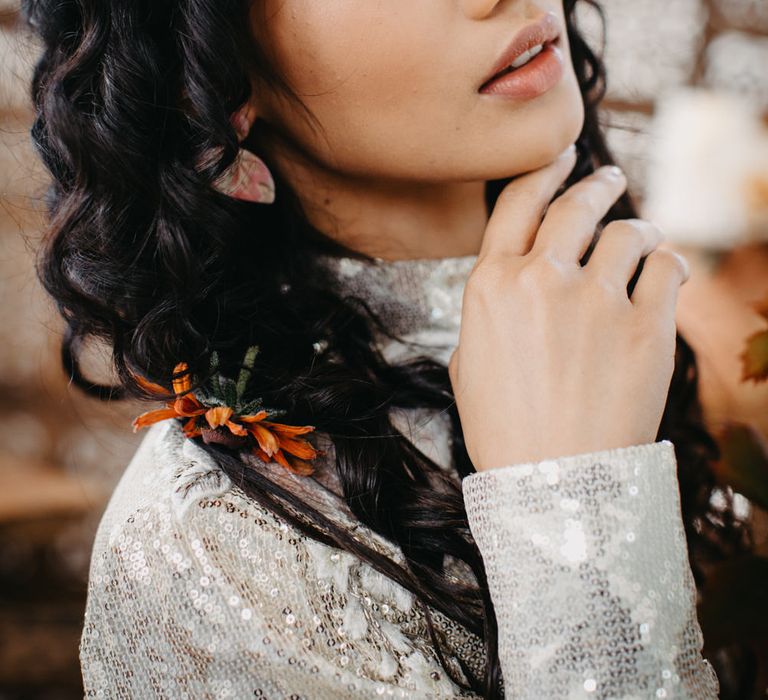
[[687, 116]]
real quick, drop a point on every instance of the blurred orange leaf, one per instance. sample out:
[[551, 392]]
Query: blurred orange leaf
[[755, 357], [743, 463]]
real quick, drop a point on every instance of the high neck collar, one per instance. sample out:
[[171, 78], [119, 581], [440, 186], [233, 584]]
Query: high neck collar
[[418, 299]]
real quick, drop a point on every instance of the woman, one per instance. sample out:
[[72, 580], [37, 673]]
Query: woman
[[464, 495]]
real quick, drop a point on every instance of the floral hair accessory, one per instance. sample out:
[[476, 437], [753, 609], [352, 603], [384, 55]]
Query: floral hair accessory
[[218, 414]]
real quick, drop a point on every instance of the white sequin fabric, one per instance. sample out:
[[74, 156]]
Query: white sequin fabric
[[198, 591]]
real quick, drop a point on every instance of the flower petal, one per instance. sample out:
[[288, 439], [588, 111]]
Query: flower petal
[[299, 466], [149, 386], [190, 428], [296, 466], [284, 429], [267, 441], [263, 456], [254, 417], [300, 448], [279, 457], [145, 419], [292, 464], [188, 405], [218, 415], [183, 383], [236, 428]]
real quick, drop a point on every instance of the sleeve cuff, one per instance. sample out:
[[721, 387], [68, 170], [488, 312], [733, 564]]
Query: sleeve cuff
[[587, 567]]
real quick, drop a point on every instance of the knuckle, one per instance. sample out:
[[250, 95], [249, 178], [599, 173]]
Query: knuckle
[[517, 192], [609, 294], [578, 198], [510, 194], [541, 271], [631, 229], [484, 278], [669, 261], [637, 235], [507, 195], [663, 256], [604, 287], [473, 288]]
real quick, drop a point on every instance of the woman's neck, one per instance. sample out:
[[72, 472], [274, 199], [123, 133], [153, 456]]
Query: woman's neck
[[392, 220]]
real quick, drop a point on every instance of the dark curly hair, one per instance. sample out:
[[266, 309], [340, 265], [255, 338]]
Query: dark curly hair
[[142, 252]]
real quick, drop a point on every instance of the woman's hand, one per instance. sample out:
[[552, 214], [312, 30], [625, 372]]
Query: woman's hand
[[554, 358]]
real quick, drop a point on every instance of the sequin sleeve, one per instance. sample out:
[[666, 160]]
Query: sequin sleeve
[[210, 595], [588, 571]]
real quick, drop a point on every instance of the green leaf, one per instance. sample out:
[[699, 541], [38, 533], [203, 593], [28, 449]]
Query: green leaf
[[734, 603], [251, 407], [216, 388], [743, 464], [215, 401], [201, 395], [229, 391], [245, 372]]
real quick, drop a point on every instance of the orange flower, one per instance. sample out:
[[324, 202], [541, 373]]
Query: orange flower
[[276, 441], [182, 407]]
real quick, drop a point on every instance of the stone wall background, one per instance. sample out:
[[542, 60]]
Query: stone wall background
[[62, 453]]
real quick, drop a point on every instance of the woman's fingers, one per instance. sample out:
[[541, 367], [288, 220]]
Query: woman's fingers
[[621, 245], [657, 288], [569, 225], [561, 334], [520, 206]]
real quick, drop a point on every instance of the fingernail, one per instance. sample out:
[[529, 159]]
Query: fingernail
[[613, 171], [568, 152]]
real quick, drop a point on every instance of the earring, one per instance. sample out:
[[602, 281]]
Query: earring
[[248, 178]]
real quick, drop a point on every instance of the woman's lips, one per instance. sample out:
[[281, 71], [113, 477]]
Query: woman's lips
[[535, 78]]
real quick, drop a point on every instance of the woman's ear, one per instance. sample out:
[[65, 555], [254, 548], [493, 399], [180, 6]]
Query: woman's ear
[[242, 120]]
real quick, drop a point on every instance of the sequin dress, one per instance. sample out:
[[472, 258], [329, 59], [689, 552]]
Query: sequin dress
[[197, 591]]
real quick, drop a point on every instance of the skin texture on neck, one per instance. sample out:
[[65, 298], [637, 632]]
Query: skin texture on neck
[[393, 220], [406, 142]]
